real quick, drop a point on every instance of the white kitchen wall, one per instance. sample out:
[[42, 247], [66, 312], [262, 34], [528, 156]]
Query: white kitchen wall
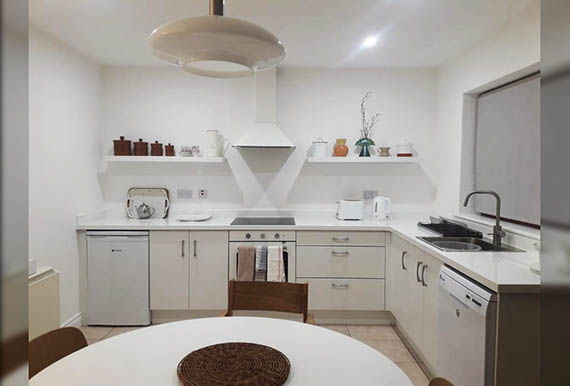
[[514, 49], [169, 105], [64, 111]]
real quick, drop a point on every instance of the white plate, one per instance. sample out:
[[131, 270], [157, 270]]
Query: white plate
[[194, 217]]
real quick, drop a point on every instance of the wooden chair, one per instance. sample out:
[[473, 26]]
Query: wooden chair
[[52, 346], [440, 382], [269, 296]]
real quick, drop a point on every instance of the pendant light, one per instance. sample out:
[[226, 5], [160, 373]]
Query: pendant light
[[217, 46]]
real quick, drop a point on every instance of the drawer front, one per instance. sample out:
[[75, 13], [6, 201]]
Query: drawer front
[[365, 238], [345, 294], [341, 261]]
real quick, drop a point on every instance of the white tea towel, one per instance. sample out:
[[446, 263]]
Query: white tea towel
[[275, 269]]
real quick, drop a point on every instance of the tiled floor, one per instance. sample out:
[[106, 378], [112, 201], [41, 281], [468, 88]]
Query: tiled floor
[[381, 338]]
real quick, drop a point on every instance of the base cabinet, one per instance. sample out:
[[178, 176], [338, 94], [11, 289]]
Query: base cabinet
[[412, 283], [345, 270], [208, 270], [169, 284], [188, 270], [345, 294], [430, 307]]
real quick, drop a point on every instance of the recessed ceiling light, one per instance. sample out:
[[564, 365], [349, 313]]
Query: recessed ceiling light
[[370, 41]]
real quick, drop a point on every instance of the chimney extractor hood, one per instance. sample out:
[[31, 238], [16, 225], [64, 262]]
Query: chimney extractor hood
[[265, 133]]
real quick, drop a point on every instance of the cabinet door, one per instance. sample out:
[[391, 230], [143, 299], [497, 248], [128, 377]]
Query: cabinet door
[[208, 270], [169, 270], [394, 285], [430, 272], [412, 320]]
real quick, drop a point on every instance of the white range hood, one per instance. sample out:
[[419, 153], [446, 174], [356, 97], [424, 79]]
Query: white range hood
[[264, 133]]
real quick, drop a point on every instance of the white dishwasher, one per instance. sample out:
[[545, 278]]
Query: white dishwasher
[[466, 330], [118, 278]]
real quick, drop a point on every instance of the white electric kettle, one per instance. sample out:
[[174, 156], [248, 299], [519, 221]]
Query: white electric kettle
[[382, 208]]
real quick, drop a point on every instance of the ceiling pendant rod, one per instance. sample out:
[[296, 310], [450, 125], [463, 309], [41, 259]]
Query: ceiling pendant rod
[[216, 7]]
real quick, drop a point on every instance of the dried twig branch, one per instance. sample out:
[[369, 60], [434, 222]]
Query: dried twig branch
[[367, 126]]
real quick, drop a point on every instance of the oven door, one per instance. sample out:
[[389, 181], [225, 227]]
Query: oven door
[[288, 252]]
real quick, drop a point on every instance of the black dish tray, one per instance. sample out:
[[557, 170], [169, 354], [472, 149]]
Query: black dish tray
[[451, 230]]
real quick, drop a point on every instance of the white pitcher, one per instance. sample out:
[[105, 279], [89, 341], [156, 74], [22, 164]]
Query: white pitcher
[[217, 144]]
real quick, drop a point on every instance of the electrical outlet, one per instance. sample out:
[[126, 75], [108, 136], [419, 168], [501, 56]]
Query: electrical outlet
[[369, 194], [184, 194], [202, 193]]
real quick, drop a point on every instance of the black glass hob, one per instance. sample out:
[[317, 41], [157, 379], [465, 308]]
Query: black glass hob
[[263, 221]]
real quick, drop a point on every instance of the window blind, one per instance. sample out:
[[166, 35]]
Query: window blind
[[508, 150]]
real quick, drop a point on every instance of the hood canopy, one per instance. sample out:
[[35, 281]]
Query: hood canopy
[[265, 133]]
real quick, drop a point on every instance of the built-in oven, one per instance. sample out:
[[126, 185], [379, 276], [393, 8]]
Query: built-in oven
[[253, 238]]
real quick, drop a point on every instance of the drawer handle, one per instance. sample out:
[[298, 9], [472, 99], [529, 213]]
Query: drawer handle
[[342, 238], [339, 285], [418, 271], [182, 249], [424, 268], [403, 262], [339, 253]]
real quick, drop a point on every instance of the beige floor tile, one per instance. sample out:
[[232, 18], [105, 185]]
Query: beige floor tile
[[373, 332], [94, 333], [393, 349], [415, 374], [336, 327], [120, 330]]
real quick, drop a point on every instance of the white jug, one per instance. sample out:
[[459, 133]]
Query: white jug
[[217, 144], [382, 208]]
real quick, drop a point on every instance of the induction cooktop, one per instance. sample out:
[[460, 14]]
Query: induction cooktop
[[263, 221]]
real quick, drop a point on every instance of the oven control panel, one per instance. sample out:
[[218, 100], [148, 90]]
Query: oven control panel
[[263, 235]]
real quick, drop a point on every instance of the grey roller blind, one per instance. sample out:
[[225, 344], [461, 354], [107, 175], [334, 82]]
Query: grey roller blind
[[508, 150]]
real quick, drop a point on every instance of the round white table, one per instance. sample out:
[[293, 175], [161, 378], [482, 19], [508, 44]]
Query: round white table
[[149, 356]]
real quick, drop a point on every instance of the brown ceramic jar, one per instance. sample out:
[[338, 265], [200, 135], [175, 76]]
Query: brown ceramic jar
[[156, 149], [121, 146], [169, 149], [141, 147], [340, 148]]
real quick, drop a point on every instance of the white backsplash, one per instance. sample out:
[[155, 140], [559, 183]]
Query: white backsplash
[[172, 106]]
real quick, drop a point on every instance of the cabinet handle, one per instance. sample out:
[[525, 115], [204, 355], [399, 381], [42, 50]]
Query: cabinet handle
[[403, 262], [195, 244], [339, 253], [418, 271], [182, 248], [339, 285], [343, 238], [424, 268]]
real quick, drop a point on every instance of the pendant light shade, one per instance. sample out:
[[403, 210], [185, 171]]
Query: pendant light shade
[[217, 46]]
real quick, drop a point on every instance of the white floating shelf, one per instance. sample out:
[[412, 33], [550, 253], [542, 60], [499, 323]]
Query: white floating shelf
[[364, 160], [164, 159]]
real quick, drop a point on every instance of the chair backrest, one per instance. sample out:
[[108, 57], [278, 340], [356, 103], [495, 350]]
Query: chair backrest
[[440, 382], [268, 296], [52, 346]]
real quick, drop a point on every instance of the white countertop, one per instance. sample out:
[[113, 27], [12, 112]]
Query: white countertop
[[500, 271]]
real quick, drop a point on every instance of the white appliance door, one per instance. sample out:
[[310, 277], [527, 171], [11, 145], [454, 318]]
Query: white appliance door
[[461, 335], [118, 280]]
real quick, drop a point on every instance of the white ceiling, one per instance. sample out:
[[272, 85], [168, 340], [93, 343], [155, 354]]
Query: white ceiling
[[316, 33]]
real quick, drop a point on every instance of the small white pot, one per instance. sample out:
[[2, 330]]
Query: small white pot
[[319, 148]]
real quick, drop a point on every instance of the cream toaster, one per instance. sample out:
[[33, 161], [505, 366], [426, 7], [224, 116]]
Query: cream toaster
[[350, 210]]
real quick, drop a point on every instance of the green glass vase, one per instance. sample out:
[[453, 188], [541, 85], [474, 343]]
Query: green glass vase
[[364, 143]]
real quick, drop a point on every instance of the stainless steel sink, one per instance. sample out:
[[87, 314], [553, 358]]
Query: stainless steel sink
[[467, 244]]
